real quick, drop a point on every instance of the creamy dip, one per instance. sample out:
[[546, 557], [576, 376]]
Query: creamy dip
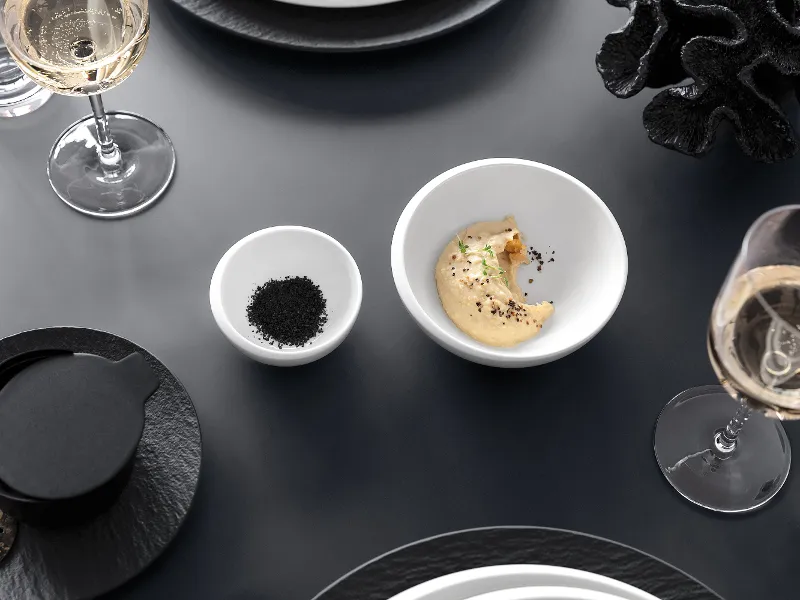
[[476, 277]]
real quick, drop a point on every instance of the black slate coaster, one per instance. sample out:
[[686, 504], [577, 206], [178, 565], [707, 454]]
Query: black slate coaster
[[89, 560], [428, 559], [338, 30]]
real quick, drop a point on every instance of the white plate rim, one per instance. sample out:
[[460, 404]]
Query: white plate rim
[[546, 592], [461, 578], [337, 4]]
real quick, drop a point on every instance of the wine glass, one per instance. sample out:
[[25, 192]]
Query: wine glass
[[108, 164], [18, 94], [754, 347]]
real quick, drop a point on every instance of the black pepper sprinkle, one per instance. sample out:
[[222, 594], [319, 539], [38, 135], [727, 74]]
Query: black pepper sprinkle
[[530, 280], [289, 311], [552, 260]]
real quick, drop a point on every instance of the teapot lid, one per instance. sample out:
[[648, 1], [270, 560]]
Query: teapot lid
[[70, 422]]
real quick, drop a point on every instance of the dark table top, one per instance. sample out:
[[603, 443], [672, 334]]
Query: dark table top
[[308, 473]]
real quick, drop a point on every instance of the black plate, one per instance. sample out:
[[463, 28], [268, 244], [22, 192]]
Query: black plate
[[338, 30], [88, 560], [422, 561]]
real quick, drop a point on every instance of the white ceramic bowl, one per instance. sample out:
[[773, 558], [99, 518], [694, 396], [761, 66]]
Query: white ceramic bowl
[[280, 252], [555, 212], [465, 585]]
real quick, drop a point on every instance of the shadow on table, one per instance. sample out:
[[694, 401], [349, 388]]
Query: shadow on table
[[390, 81]]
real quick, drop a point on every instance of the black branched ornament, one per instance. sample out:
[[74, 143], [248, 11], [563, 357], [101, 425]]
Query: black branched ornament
[[739, 55], [646, 51]]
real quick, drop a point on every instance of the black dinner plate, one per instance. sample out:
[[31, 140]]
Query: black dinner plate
[[428, 559], [340, 29]]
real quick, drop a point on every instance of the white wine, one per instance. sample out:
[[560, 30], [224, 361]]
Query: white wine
[[77, 47], [754, 339]]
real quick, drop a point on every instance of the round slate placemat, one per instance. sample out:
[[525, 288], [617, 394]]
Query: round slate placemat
[[88, 560], [428, 559], [338, 30]]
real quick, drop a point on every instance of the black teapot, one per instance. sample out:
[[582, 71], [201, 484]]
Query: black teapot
[[69, 428]]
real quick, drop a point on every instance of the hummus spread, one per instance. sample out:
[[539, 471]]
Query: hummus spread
[[476, 277]]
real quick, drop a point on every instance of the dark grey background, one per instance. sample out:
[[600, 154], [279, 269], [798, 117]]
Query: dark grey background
[[308, 473]]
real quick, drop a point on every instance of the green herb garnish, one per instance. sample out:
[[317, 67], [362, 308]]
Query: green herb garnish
[[464, 249]]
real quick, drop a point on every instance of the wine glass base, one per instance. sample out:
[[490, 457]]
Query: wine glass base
[[82, 182], [743, 481]]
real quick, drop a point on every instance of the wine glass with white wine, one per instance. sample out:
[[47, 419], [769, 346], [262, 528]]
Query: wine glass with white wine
[[754, 347], [108, 164]]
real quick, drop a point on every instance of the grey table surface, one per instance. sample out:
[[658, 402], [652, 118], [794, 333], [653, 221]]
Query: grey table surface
[[308, 473]]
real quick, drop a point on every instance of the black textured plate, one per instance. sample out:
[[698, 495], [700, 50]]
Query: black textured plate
[[88, 560], [422, 561], [338, 30]]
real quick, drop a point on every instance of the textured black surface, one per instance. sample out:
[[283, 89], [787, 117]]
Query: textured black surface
[[87, 560], [646, 52], [740, 57], [8, 533], [338, 30], [422, 561]]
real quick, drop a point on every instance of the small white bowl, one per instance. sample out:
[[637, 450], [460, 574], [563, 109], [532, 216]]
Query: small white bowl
[[275, 253], [555, 212]]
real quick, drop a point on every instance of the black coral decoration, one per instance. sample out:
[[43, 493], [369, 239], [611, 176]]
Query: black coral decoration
[[739, 55]]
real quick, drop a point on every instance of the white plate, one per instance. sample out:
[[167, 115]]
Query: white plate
[[339, 3], [467, 584], [546, 593]]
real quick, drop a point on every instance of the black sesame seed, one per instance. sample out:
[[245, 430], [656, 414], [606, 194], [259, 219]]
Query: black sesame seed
[[287, 312]]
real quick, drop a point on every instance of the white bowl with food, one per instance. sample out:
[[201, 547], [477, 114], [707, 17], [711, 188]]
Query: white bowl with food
[[286, 296], [508, 262]]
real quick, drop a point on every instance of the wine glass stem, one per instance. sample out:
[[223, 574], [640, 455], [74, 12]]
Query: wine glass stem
[[726, 439], [110, 156]]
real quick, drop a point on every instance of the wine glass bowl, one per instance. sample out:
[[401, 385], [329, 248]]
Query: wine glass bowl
[[754, 340], [106, 165], [76, 52]]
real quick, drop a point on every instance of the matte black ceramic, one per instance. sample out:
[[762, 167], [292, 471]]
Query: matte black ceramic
[[71, 424], [434, 557], [338, 30], [91, 558]]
